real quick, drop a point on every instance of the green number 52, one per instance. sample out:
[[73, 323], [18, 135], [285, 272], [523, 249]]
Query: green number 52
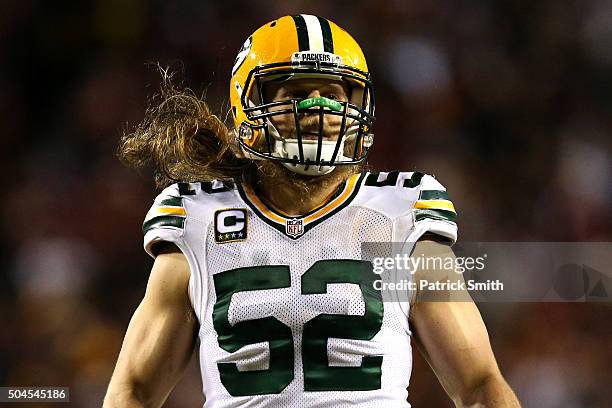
[[318, 374]]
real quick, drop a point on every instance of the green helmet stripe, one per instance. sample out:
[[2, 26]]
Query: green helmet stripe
[[302, 32], [328, 40]]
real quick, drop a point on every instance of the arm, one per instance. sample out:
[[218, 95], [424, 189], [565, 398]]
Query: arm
[[159, 340], [454, 340]]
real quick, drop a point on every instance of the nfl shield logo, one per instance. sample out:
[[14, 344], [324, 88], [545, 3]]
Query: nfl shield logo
[[294, 227]]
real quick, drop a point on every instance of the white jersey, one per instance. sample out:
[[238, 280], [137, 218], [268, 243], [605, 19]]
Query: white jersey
[[287, 310]]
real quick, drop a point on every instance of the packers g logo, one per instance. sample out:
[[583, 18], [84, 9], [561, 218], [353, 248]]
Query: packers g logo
[[242, 54], [230, 225]]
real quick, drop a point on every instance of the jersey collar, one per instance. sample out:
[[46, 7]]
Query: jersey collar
[[282, 222]]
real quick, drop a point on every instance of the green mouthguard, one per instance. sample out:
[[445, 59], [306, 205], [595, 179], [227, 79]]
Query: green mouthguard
[[320, 101]]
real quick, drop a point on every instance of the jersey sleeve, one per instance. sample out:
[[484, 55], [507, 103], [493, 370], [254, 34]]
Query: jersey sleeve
[[165, 221], [169, 220], [433, 212]]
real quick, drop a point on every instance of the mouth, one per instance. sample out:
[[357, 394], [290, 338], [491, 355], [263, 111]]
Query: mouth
[[310, 135], [315, 136], [307, 133]]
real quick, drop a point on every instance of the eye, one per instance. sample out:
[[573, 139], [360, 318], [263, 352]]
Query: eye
[[295, 94], [336, 96]]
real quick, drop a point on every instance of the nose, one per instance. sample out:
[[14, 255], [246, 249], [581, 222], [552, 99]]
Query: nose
[[314, 93]]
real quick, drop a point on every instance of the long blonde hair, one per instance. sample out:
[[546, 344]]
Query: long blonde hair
[[181, 138]]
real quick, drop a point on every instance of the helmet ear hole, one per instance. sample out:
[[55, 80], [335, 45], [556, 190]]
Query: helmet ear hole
[[245, 132]]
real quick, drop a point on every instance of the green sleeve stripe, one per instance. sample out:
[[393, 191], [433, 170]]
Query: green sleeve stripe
[[172, 201], [443, 215], [433, 195], [163, 221]]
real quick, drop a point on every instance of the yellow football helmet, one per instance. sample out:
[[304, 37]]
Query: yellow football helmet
[[302, 46]]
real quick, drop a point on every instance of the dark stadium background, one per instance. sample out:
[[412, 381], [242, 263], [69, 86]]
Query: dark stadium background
[[508, 103]]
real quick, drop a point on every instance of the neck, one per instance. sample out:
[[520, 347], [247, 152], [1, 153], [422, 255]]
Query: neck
[[294, 194]]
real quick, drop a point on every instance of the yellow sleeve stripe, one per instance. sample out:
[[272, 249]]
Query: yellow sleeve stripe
[[166, 211], [435, 204], [171, 211]]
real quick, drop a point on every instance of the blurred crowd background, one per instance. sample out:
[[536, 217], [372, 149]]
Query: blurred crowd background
[[507, 102]]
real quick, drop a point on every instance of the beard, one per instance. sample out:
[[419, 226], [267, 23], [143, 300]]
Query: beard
[[269, 171]]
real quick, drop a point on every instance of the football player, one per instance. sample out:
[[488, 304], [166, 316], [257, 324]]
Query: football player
[[258, 246]]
